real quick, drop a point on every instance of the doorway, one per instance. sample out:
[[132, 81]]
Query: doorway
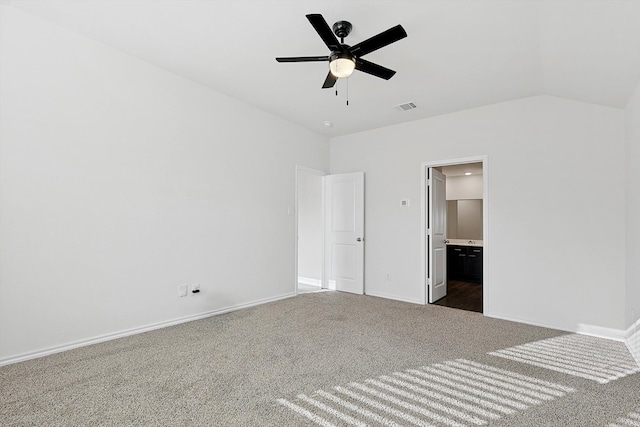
[[463, 268], [309, 230], [329, 235]]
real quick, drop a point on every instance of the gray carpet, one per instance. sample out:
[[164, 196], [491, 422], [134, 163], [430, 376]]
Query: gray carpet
[[330, 358]]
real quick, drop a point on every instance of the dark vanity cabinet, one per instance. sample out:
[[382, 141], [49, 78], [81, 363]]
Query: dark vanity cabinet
[[464, 263]]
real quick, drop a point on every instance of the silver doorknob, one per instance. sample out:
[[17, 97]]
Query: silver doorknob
[[359, 239]]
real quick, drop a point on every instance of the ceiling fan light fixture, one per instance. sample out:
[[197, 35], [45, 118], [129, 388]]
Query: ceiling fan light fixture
[[344, 59], [342, 65]]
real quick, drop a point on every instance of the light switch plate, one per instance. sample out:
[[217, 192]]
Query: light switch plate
[[182, 290]]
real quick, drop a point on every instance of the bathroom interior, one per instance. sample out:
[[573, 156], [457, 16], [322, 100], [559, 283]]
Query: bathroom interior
[[464, 194]]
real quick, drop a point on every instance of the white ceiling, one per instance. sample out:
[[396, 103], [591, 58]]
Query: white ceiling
[[458, 54], [462, 169]]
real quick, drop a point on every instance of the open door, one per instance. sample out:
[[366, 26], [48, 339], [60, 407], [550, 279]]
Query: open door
[[436, 235], [344, 225]]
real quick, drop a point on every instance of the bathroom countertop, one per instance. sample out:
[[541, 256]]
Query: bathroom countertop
[[464, 242]]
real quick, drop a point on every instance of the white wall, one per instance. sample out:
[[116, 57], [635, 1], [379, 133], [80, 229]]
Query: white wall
[[633, 215], [556, 249], [310, 226], [120, 180], [464, 187]]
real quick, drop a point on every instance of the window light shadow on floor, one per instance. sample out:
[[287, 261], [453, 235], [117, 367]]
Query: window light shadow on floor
[[582, 356], [454, 393]]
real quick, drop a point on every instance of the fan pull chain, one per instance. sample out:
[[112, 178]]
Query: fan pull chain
[[347, 92], [347, 89]]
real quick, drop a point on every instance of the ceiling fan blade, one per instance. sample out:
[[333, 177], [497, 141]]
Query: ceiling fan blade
[[379, 41], [323, 30], [330, 81], [303, 59], [374, 69]]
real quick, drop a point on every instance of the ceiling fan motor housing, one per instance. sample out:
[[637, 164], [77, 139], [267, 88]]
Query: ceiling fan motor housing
[[342, 29], [336, 55]]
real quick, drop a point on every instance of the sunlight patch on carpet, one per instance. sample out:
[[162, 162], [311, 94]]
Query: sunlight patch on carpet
[[582, 356], [454, 393], [631, 419]]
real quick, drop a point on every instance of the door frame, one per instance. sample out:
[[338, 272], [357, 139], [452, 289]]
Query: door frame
[[322, 174], [486, 285]]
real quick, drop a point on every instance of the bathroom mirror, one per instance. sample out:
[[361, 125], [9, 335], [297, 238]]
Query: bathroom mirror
[[464, 219]]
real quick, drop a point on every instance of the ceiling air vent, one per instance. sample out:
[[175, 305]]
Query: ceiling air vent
[[405, 107]]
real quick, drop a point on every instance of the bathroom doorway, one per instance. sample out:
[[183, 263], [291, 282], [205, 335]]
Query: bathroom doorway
[[462, 272]]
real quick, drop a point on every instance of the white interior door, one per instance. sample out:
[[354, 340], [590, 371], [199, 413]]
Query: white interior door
[[436, 235], [344, 225]]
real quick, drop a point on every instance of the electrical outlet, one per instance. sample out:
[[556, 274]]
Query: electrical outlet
[[195, 288], [182, 290]]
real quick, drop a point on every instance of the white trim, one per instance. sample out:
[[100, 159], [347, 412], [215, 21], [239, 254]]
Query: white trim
[[295, 220], [633, 328], [309, 281], [135, 331], [601, 332], [582, 329], [486, 297], [395, 298], [529, 322], [633, 340], [423, 233]]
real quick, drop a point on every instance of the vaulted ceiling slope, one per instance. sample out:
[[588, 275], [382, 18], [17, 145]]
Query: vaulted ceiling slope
[[458, 55]]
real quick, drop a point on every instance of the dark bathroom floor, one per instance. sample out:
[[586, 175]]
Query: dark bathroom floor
[[463, 295]]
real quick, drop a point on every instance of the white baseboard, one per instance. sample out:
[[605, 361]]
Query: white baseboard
[[601, 332], [633, 341], [374, 294], [309, 281], [133, 331], [526, 322], [582, 329], [631, 330]]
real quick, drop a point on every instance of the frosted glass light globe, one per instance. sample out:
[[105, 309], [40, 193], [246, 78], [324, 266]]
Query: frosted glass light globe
[[342, 67]]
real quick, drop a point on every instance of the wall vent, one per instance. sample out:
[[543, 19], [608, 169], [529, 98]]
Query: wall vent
[[405, 107]]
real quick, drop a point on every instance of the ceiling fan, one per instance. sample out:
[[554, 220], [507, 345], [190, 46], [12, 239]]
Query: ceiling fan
[[343, 58]]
